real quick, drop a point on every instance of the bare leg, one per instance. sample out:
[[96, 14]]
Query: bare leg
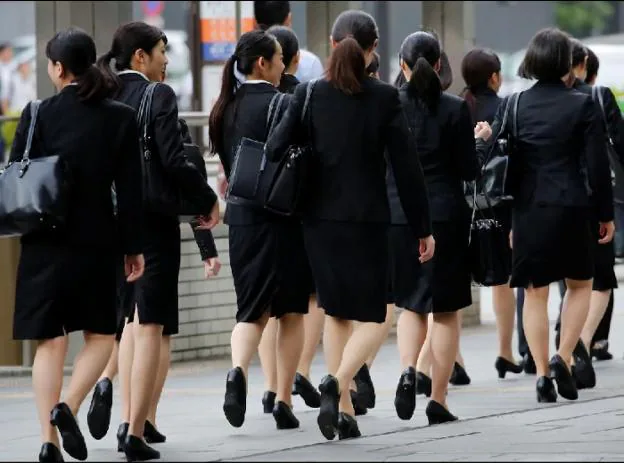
[[535, 319], [126, 357], [245, 340], [88, 366], [267, 351], [163, 371], [458, 358], [597, 308], [444, 347], [424, 358], [504, 308], [289, 346], [335, 337], [313, 328], [387, 325], [112, 367], [47, 378], [573, 316], [411, 335], [147, 340]]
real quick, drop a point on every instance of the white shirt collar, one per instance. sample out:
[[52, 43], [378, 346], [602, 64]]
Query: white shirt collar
[[132, 71], [260, 81]]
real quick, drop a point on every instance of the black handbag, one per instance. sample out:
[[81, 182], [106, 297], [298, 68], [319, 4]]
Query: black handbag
[[187, 210], [33, 192], [289, 182], [617, 171], [251, 173], [494, 178], [488, 252]]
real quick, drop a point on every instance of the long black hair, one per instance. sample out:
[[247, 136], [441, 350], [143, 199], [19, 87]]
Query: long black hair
[[250, 47], [128, 38], [477, 68], [75, 50], [420, 51]]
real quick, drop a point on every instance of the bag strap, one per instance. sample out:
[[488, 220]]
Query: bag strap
[[306, 104], [34, 110], [274, 108], [145, 110], [597, 97]]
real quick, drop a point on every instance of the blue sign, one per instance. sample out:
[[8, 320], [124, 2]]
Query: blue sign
[[153, 8], [217, 51]]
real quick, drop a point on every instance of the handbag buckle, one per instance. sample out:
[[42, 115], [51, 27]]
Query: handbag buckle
[[147, 155], [24, 167]]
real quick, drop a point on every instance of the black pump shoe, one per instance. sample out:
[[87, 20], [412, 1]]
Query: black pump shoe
[[459, 377], [584, 372], [268, 401], [307, 391], [99, 415], [358, 407], [347, 427], [328, 414], [423, 384], [235, 403], [546, 392], [284, 417], [152, 435], [122, 432], [137, 450], [50, 453], [405, 398], [566, 384], [365, 387], [503, 366], [528, 365], [73, 440], [437, 414]]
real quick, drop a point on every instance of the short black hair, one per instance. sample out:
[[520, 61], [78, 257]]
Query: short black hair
[[593, 64], [579, 52], [4, 46], [373, 67], [548, 56], [271, 13]]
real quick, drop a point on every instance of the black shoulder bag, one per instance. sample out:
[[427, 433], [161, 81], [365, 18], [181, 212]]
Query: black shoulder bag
[[33, 192], [247, 176], [493, 179], [288, 185], [617, 171]]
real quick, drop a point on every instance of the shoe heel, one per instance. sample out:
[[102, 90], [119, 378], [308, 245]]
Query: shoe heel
[[501, 373]]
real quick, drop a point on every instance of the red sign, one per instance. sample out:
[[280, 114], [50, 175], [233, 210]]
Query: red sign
[[153, 8]]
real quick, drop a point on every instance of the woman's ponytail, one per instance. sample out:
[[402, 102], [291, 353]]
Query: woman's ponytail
[[346, 68], [104, 66], [424, 83], [217, 114], [468, 95], [92, 85]]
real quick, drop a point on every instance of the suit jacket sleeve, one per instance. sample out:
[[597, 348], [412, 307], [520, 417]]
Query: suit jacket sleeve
[[289, 127], [615, 125], [168, 139], [484, 147], [21, 133], [408, 173], [128, 184], [205, 242], [465, 150], [598, 168]]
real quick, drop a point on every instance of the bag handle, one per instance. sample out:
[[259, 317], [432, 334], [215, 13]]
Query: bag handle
[[597, 96], [34, 111], [274, 108], [144, 116], [306, 104]]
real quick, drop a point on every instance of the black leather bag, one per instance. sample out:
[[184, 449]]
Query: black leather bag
[[617, 171], [251, 173], [33, 192], [488, 253], [289, 182], [495, 176]]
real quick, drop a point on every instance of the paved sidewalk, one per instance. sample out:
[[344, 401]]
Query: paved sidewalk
[[499, 419]]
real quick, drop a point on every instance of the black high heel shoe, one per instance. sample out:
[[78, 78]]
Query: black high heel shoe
[[50, 453], [423, 384], [358, 408], [405, 398], [73, 440], [546, 392], [566, 384], [122, 432], [137, 450], [437, 414], [459, 377], [268, 401], [99, 415], [284, 417], [365, 387], [347, 427], [503, 366], [235, 403], [328, 414], [307, 391], [583, 369], [152, 435]]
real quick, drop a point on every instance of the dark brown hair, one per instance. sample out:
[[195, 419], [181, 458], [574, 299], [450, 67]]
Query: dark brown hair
[[548, 56], [477, 67], [355, 31]]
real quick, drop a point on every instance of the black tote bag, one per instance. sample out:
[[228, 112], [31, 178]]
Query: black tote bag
[[33, 192]]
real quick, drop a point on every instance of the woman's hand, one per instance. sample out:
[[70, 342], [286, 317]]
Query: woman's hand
[[134, 267], [212, 266], [607, 230], [511, 239], [210, 221], [483, 130], [426, 249]]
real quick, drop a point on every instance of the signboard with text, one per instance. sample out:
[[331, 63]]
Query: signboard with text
[[218, 28]]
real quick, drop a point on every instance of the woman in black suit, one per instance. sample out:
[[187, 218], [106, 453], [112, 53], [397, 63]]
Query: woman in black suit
[[559, 157], [481, 70], [354, 119], [139, 53], [445, 137], [66, 279], [266, 250]]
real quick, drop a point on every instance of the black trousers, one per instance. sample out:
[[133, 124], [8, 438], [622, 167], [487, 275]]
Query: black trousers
[[602, 332]]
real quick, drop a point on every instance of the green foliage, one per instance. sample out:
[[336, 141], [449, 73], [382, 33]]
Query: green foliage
[[582, 19]]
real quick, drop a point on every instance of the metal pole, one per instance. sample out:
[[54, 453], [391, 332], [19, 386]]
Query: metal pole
[[237, 16], [26, 353], [196, 66]]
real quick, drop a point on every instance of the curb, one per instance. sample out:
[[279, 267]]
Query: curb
[[22, 372]]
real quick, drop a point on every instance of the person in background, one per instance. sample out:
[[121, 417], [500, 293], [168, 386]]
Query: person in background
[[22, 86], [481, 70], [373, 67], [6, 56]]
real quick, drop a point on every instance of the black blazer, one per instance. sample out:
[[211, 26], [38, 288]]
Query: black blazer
[[246, 116], [560, 149], [446, 150], [288, 83], [487, 103], [168, 139], [349, 137], [100, 144]]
